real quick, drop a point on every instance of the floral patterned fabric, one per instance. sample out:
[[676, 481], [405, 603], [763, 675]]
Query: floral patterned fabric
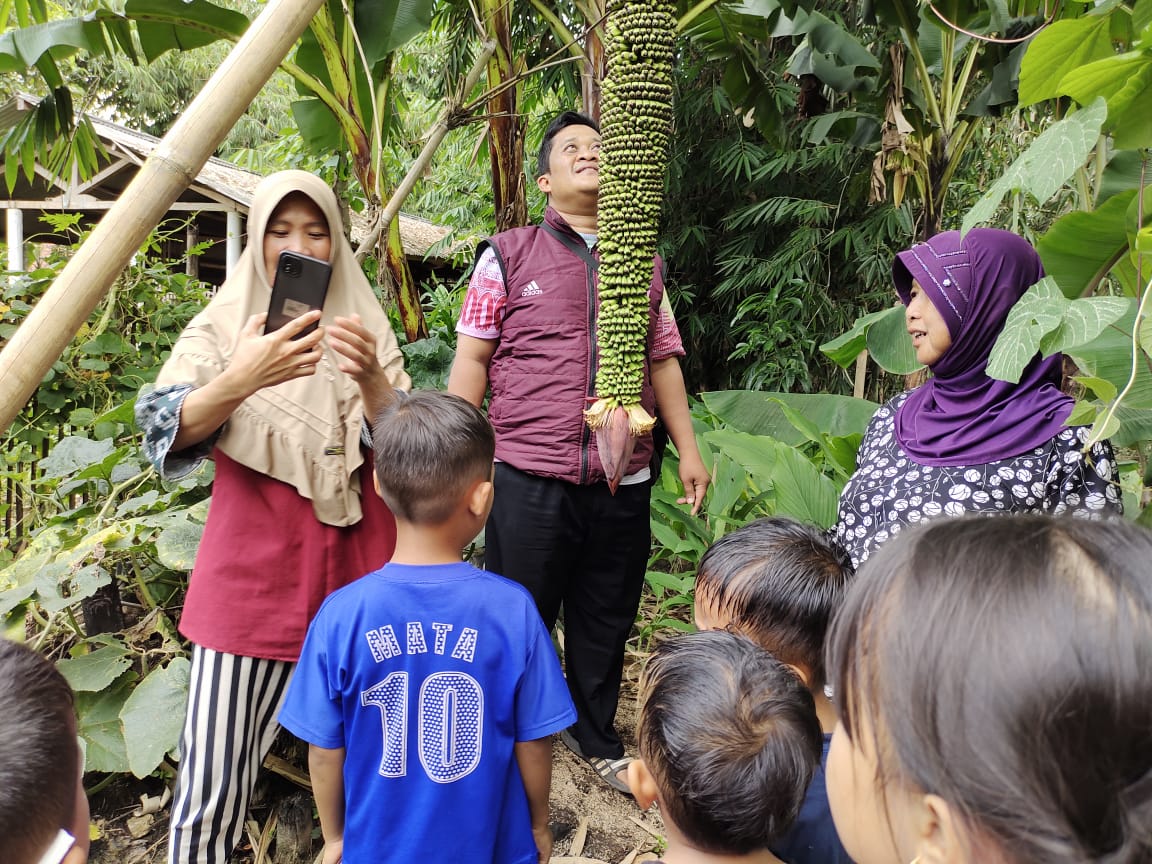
[[158, 417], [890, 490]]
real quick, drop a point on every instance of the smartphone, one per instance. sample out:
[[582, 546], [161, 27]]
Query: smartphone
[[301, 285]]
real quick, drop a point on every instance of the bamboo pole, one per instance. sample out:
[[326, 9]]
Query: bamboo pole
[[174, 164]]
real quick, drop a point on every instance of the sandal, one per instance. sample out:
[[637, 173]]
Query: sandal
[[606, 769]]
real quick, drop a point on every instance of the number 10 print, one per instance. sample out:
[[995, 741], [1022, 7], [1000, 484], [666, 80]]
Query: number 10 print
[[450, 718]]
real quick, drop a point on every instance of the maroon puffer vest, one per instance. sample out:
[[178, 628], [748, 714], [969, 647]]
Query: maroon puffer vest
[[543, 372]]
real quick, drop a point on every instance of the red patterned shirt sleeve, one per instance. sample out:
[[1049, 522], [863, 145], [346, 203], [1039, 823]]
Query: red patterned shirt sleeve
[[666, 342], [482, 314]]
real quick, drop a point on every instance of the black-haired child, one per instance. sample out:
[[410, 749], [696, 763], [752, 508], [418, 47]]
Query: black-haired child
[[427, 690], [728, 741], [779, 581], [994, 680], [43, 810]]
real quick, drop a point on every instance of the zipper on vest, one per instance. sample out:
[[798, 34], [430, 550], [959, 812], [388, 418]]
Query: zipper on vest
[[590, 388]]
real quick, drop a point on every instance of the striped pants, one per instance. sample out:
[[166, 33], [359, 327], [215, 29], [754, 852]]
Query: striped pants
[[233, 702]]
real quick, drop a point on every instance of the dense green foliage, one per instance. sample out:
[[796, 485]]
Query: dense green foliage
[[772, 249]]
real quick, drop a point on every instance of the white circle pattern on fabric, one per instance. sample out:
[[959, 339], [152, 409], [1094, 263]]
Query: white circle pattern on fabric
[[889, 489], [451, 725]]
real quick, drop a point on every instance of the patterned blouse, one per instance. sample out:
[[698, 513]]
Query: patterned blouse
[[890, 490]]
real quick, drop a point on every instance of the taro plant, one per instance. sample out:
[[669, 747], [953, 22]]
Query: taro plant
[[429, 360], [1094, 303], [770, 454]]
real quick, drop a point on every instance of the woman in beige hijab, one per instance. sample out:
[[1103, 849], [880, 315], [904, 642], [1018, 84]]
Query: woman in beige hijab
[[293, 513]]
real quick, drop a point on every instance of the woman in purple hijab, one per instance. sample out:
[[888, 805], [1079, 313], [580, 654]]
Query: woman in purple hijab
[[964, 442]]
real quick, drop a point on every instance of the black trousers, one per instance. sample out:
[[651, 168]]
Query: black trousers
[[585, 549]]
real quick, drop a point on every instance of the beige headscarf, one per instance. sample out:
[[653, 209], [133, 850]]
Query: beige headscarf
[[304, 432]]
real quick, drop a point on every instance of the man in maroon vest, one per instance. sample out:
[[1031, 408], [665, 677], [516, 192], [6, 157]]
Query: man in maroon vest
[[528, 329]]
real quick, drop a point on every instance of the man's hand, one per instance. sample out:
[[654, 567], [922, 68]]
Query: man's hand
[[695, 478]]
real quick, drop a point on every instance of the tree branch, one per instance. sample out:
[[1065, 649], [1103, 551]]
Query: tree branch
[[450, 118]]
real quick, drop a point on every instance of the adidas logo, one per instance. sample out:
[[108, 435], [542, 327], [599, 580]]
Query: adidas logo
[[532, 290]]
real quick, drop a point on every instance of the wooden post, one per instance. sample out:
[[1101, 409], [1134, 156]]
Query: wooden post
[[15, 239], [233, 245], [174, 164], [861, 371], [191, 238]]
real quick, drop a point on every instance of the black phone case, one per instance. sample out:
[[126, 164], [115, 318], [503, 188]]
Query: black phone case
[[301, 284]]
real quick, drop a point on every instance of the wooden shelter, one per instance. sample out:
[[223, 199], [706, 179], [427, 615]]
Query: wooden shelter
[[213, 208]]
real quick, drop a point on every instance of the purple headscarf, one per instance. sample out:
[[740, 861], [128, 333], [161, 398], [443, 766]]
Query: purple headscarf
[[961, 416]]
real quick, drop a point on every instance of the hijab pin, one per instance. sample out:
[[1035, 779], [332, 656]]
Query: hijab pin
[[947, 282]]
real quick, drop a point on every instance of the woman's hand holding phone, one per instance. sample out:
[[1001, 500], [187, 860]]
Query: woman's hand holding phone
[[266, 359]]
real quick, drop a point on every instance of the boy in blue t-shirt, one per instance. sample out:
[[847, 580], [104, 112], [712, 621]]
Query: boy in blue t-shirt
[[428, 689], [779, 582]]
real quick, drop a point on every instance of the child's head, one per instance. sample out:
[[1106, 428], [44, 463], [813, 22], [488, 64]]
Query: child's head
[[728, 741], [994, 680], [777, 581], [39, 758], [433, 457]]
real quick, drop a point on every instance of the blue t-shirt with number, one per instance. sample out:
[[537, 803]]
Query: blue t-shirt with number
[[428, 676]]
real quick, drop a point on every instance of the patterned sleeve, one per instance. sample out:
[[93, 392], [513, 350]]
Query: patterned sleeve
[[1084, 484], [666, 342], [482, 314], [158, 417]]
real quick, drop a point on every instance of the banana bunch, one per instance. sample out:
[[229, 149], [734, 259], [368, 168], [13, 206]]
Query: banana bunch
[[636, 123]]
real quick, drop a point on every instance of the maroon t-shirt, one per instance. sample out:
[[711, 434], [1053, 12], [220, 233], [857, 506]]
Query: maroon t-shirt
[[265, 564]]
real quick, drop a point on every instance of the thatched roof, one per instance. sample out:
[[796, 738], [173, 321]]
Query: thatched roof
[[219, 187]]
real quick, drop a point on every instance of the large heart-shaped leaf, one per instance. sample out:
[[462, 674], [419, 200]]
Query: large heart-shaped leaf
[[1082, 246], [1046, 165], [1109, 356], [1057, 50], [890, 345], [1125, 80], [759, 413], [845, 348], [801, 490], [153, 716], [1046, 321]]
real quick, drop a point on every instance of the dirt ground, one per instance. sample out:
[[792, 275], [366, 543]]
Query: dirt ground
[[591, 822]]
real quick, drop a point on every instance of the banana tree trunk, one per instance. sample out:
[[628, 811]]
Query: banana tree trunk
[[174, 164], [454, 113], [592, 71], [505, 126]]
